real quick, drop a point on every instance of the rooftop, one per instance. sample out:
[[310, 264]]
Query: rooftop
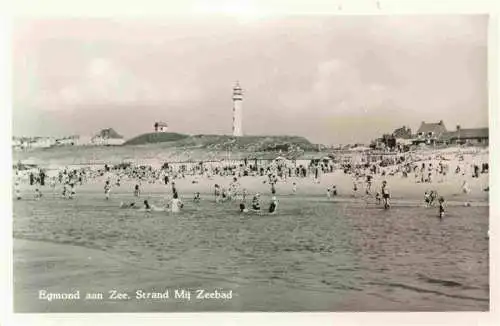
[[437, 128]]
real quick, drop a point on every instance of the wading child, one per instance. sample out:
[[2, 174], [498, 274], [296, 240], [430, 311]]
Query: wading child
[[273, 206], [107, 189], [176, 204], [441, 207], [256, 202], [38, 194], [386, 195]]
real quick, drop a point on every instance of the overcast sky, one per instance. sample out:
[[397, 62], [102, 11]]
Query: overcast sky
[[332, 79]]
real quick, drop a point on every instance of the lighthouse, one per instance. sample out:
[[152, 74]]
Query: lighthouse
[[237, 111]]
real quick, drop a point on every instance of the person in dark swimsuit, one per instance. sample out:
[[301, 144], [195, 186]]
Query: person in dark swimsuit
[[273, 206], [256, 203], [441, 207], [386, 195]]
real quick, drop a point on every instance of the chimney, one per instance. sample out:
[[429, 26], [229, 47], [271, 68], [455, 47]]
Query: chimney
[[458, 127], [440, 122]]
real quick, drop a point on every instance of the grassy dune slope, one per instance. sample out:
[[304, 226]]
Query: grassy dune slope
[[167, 146], [155, 137]]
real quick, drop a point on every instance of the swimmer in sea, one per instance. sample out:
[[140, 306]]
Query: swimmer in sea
[[256, 202], [243, 208]]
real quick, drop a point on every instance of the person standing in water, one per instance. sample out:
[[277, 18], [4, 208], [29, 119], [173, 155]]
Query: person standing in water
[[176, 204], [386, 195], [217, 193], [137, 191], [17, 189], [107, 189], [273, 206], [441, 207]]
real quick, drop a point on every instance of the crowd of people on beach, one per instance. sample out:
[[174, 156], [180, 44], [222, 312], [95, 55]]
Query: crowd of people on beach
[[363, 176]]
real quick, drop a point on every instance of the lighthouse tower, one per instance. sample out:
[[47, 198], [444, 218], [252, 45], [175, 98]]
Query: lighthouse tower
[[237, 111]]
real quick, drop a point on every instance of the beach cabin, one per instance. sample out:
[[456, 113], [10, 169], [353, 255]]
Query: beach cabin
[[160, 126]]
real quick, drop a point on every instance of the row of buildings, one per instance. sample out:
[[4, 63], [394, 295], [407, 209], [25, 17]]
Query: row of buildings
[[434, 133], [106, 137]]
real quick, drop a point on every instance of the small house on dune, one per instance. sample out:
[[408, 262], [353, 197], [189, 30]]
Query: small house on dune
[[160, 126]]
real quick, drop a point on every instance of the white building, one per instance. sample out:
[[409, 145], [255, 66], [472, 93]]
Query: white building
[[41, 142], [108, 137], [160, 126], [84, 141], [237, 111], [67, 141]]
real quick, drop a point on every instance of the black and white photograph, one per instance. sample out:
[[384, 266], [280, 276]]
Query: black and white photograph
[[251, 163]]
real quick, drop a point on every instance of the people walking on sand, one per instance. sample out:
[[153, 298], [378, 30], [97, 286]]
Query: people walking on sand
[[334, 191], [294, 188], [386, 195], [369, 178], [465, 187]]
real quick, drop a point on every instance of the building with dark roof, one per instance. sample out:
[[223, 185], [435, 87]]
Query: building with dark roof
[[402, 133], [430, 133], [472, 136]]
